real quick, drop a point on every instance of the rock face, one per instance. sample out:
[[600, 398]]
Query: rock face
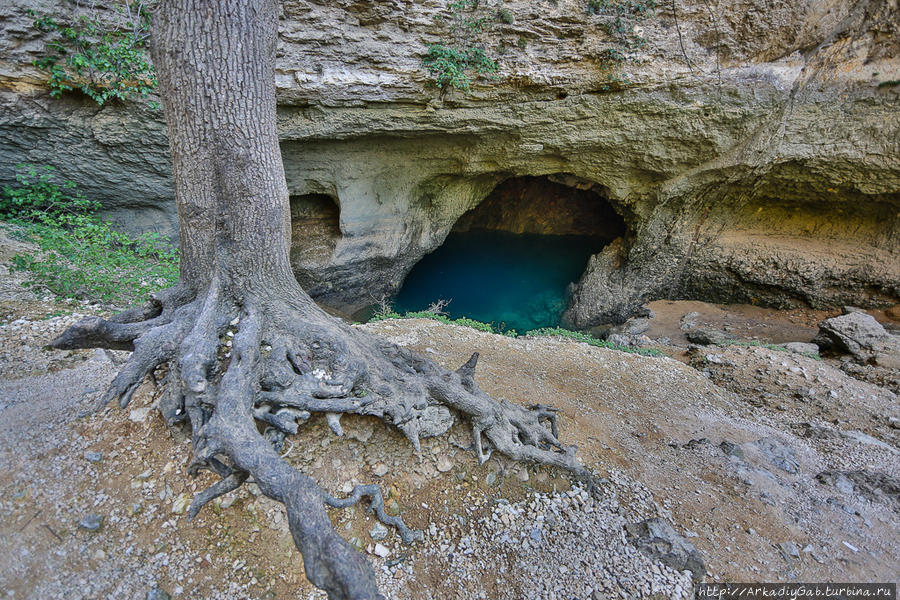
[[755, 160], [861, 336]]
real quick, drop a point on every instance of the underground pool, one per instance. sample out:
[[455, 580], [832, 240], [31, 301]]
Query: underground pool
[[513, 281]]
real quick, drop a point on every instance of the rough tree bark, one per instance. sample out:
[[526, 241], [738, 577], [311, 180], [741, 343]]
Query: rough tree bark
[[246, 348]]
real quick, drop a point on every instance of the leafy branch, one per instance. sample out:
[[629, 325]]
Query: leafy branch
[[104, 60]]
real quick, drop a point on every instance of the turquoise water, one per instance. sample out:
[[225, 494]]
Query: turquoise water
[[509, 280]]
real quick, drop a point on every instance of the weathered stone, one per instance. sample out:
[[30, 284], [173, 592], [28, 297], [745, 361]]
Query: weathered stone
[[858, 334], [157, 593], [706, 337], [139, 415], [93, 457], [732, 449], [378, 532], [789, 551], [636, 326], [434, 421], [92, 522], [181, 503], [444, 463], [618, 339], [656, 538], [877, 487], [779, 454]]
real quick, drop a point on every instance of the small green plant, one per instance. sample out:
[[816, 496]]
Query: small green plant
[[621, 15], [453, 62], [590, 340], [105, 60], [451, 67], [81, 256]]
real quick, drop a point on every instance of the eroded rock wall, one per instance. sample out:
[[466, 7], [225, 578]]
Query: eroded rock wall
[[754, 152]]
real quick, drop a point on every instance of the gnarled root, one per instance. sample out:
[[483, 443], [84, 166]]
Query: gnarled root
[[238, 360]]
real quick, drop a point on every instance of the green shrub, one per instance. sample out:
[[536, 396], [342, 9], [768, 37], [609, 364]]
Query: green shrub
[[39, 199], [103, 60], [451, 67], [589, 339], [461, 54], [619, 18], [81, 256]]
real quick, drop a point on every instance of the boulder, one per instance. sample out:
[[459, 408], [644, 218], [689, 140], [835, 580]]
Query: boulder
[[657, 539], [859, 335], [706, 337]]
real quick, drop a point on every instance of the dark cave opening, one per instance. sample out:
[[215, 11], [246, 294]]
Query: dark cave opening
[[511, 260], [315, 231]]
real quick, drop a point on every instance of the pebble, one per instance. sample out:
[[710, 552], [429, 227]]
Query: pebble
[[392, 507], [380, 470], [91, 522], [381, 551], [139, 415], [93, 457], [378, 532], [444, 463], [157, 594], [181, 504], [789, 550]]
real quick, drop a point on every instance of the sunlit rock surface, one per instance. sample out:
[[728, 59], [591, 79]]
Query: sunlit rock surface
[[755, 160]]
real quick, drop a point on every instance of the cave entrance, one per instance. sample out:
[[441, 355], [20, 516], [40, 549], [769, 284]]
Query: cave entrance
[[315, 231], [511, 259]]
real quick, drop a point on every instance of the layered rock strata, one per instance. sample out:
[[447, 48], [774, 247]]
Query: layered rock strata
[[752, 147]]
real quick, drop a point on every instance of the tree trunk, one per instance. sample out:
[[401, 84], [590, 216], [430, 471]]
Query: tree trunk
[[216, 66], [243, 345]]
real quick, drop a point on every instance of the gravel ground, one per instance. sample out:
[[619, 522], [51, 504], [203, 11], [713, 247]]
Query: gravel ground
[[775, 466]]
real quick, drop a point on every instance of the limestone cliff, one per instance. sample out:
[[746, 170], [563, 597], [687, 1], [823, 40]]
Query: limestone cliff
[[753, 149]]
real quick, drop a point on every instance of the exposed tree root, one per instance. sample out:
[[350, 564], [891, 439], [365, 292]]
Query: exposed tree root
[[238, 360]]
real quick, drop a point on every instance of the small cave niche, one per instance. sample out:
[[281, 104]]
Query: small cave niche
[[511, 260], [315, 231]]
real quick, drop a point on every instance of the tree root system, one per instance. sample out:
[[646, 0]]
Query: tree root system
[[245, 371]]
